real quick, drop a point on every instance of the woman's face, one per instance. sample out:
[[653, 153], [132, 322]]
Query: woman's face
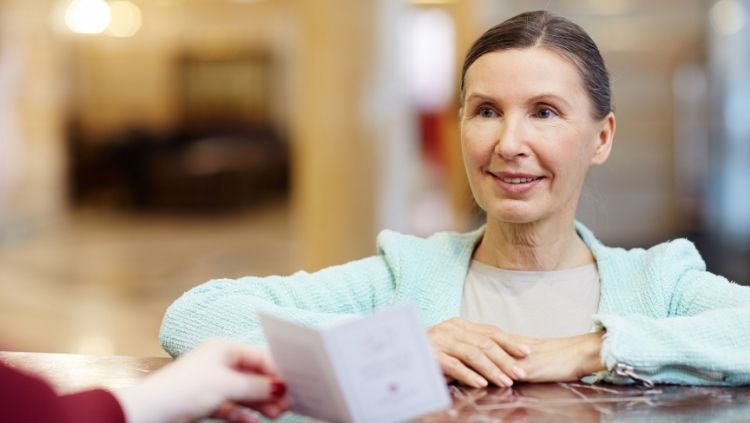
[[528, 134]]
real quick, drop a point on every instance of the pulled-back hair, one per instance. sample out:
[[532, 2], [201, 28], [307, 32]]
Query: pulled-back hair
[[544, 29]]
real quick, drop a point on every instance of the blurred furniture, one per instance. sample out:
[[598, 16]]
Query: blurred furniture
[[226, 89], [215, 170], [224, 153]]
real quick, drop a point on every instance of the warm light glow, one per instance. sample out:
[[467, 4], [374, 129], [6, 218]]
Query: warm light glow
[[95, 344], [727, 16], [431, 58], [88, 16], [126, 19]]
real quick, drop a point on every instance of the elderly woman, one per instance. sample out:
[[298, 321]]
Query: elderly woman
[[532, 295]]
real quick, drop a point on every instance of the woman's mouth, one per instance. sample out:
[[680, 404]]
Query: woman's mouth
[[516, 181], [516, 184]]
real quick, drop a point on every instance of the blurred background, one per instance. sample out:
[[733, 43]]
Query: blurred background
[[147, 146]]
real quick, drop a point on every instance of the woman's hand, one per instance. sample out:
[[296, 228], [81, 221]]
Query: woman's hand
[[219, 378], [474, 354], [563, 359]]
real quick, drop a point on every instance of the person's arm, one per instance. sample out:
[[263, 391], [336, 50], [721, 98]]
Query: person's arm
[[218, 379], [703, 337], [704, 340], [227, 308], [27, 398]]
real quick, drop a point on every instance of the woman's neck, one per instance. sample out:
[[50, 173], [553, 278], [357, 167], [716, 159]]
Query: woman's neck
[[538, 246]]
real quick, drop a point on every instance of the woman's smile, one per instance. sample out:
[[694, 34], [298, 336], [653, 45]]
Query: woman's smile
[[515, 183]]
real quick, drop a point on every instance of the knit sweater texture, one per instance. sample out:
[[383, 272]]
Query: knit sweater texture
[[666, 317]]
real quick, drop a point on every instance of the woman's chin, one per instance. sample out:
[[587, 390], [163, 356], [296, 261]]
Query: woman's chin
[[516, 217], [515, 211]]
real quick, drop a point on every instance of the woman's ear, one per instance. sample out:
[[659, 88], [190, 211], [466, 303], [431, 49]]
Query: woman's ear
[[604, 139]]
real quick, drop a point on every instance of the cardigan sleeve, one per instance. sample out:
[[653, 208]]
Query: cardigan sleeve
[[703, 340], [26, 398], [227, 308]]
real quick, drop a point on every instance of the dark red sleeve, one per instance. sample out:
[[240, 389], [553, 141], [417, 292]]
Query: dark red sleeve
[[26, 398]]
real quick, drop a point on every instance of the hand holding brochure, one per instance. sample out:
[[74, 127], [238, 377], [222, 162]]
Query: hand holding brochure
[[378, 368]]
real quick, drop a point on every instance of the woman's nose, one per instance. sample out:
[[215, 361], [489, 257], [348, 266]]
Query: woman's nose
[[510, 140]]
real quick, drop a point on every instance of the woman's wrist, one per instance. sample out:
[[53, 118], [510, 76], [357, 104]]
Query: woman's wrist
[[592, 348]]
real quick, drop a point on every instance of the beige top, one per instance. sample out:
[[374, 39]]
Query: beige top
[[539, 304]]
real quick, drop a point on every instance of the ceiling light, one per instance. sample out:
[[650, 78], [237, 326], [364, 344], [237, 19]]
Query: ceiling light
[[727, 16], [126, 19]]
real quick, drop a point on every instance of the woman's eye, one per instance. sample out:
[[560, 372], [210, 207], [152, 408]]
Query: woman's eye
[[545, 113], [486, 112]]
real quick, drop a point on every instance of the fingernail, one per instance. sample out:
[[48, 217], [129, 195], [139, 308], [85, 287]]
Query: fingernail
[[519, 372], [525, 349], [278, 389], [506, 380], [481, 382]]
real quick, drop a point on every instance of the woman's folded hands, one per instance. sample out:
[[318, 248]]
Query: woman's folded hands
[[477, 355]]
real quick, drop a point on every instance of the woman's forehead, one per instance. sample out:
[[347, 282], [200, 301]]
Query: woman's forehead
[[528, 72]]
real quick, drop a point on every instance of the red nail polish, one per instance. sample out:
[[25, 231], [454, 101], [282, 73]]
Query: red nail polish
[[278, 389]]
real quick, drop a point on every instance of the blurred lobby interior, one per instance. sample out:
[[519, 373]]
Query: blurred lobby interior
[[147, 146]]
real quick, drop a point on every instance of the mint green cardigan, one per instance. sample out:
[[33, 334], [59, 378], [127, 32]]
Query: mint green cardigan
[[667, 319]]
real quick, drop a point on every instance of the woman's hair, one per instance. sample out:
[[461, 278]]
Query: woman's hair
[[544, 29]]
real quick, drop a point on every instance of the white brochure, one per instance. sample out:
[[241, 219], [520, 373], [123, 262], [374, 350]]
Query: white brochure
[[378, 368]]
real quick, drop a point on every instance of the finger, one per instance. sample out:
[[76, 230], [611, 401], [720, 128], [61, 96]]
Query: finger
[[270, 409], [516, 346], [457, 370], [246, 387], [282, 403], [236, 414], [476, 357], [463, 341], [501, 359], [253, 359]]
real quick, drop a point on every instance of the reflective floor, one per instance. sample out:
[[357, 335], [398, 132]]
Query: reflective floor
[[100, 283]]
